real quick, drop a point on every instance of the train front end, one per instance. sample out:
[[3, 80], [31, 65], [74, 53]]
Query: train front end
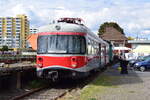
[[60, 55]]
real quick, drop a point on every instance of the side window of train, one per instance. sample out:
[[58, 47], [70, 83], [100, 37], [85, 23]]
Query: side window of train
[[92, 43], [83, 45], [95, 45], [102, 50], [93, 50], [89, 46], [97, 48]]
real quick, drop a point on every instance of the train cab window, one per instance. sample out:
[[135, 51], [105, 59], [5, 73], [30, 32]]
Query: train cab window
[[57, 44], [42, 44], [71, 44], [76, 44]]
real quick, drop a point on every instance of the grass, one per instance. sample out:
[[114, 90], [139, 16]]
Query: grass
[[92, 91], [92, 99], [100, 85], [36, 84], [131, 91]]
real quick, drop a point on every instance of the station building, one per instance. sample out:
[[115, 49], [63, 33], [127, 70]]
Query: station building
[[141, 47], [118, 40], [14, 31]]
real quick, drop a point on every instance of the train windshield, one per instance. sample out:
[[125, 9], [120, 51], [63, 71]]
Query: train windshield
[[71, 44]]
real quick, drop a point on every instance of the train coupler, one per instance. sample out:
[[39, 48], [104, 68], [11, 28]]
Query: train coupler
[[53, 75]]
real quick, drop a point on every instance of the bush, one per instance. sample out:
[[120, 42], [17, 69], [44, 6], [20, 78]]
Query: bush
[[5, 48]]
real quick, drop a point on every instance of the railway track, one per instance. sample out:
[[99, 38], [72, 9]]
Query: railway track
[[55, 91], [47, 94]]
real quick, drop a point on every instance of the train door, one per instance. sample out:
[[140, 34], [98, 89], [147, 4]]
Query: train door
[[105, 59], [104, 56], [100, 55], [107, 54], [110, 53]]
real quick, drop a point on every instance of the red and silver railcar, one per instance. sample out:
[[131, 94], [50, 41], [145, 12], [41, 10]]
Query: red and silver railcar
[[69, 49]]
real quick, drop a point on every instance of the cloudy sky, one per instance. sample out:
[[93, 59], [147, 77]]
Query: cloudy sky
[[132, 15]]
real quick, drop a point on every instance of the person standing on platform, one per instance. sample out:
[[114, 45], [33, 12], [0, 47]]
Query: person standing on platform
[[123, 65]]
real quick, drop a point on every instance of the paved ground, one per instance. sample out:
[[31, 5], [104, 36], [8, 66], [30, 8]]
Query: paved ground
[[133, 86]]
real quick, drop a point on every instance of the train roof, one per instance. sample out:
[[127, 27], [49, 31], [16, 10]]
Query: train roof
[[63, 27], [69, 27]]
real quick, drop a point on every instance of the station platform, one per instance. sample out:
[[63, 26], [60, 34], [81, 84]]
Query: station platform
[[15, 75], [16, 67]]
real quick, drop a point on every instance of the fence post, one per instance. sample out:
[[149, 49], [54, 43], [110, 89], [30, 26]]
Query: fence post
[[18, 86]]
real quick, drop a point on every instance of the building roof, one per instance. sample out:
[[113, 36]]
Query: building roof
[[113, 34], [139, 41]]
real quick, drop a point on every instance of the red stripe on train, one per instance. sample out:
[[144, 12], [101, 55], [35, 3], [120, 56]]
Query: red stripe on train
[[68, 62]]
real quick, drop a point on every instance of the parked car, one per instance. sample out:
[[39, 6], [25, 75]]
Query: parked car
[[143, 65], [139, 59]]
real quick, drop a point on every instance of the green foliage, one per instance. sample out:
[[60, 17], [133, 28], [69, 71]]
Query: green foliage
[[130, 38], [102, 28], [100, 85], [92, 99], [5, 48], [37, 84]]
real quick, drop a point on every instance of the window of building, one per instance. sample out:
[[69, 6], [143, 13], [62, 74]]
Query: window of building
[[9, 25], [8, 22], [18, 27], [8, 18], [17, 36], [17, 30], [8, 30], [17, 39], [17, 33], [18, 21]]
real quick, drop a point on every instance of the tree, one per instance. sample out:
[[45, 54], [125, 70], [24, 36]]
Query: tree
[[5, 48], [102, 28], [130, 38]]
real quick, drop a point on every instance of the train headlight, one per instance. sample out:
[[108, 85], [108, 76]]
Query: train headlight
[[74, 65], [39, 65], [74, 62]]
